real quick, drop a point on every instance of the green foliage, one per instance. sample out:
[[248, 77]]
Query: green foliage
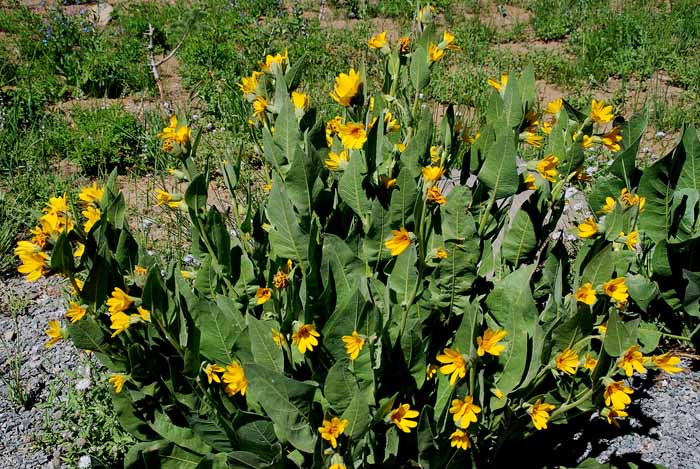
[[369, 285]]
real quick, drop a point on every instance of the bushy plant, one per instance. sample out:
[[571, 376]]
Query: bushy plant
[[406, 292]]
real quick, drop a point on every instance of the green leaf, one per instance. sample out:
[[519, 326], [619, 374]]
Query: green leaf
[[351, 188], [287, 131], [219, 330], [343, 321], [286, 237], [657, 186], [689, 177], [457, 223], [287, 402], [619, 336], [499, 172], [357, 414], [265, 351], [419, 70], [512, 104], [600, 268], [403, 280], [86, 334], [513, 308], [642, 290], [340, 386], [196, 195], [403, 200], [346, 267], [520, 239], [181, 436], [300, 183], [62, 255]]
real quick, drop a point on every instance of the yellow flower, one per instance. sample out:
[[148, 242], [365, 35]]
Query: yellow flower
[[140, 270], [92, 216], [336, 161], [332, 127], [460, 439], [612, 414], [279, 59], [632, 360], [441, 253], [530, 182], [305, 338], [448, 40], [667, 362], [182, 135], [346, 87], [616, 289], [488, 343], [499, 86], [188, 275], [554, 107], [539, 413], [280, 280], [601, 113], [337, 466], [278, 338], [532, 138], [332, 429], [118, 381], [54, 332], [603, 328], [587, 228], [431, 371], [404, 45], [616, 395], [586, 294], [435, 53], [353, 344], [120, 322], [174, 133], [612, 139], [399, 241], [378, 41], [498, 393], [34, 265], [454, 364], [609, 205], [39, 237], [391, 124], [433, 194], [119, 301], [300, 100], [249, 84], [531, 121], [434, 155], [631, 200], [464, 411], [590, 362], [401, 418], [387, 182], [211, 371], [267, 187], [79, 251], [567, 361], [432, 174], [263, 294], [547, 126], [400, 147], [76, 312], [547, 167], [352, 135], [173, 201], [631, 240], [259, 107], [235, 380], [588, 141], [144, 314], [91, 194]]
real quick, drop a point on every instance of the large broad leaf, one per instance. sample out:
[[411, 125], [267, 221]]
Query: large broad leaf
[[403, 280], [351, 188], [512, 105], [520, 239], [286, 237], [357, 414], [689, 177], [457, 222], [347, 269], [86, 334], [600, 268], [219, 328], [512, 307], [619, 336], [300, 183], [623, 165], [287, 130], [340, 386], [454, 276], [181, 436], [418, 147], [265, 351], [287, 402], [499, 172], [345, 319], [380, 229], [403, 200], [62, 255], [419, 70]]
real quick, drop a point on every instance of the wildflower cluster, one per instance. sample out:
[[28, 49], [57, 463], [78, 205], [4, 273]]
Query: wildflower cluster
[[396, 295]]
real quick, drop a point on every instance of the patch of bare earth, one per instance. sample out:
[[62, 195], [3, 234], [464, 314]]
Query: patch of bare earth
[[503, 16]]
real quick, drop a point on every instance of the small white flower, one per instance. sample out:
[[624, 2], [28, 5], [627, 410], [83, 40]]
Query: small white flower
[[591, 170], [84, 462]]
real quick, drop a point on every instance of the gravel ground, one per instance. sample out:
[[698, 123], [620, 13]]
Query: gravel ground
[[663, 427], [40, 366]]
